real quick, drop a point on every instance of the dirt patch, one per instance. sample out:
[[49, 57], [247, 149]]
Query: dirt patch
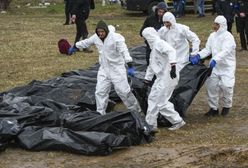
[[140, 156]]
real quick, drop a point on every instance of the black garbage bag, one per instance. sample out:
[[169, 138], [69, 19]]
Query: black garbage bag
[[130, 124], [192, 78], [31, 110], [56, 138], [9, 128], [68, 89], [3, 146], [41, 103], [90, 72], [138, 54]]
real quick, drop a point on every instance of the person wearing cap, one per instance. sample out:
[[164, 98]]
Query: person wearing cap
[[162, 64], [179, 36], [154, 21], [221, 44], [113, 55]]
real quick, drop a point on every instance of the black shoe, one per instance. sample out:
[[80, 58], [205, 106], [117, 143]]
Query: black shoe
[[225, 111], [87, 50], [212, 113], [243, 49], [151, 130]]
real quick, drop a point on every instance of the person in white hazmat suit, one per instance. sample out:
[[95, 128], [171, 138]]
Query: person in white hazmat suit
[[220, 84], [163, 65], [113, 54], [179, 36]]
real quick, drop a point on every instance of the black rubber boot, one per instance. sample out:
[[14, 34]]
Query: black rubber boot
[[212, 113], [225, 111]]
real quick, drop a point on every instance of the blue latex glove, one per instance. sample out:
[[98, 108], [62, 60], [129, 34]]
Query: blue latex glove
[[130, 71], [194, 59], [212, 63], [71, 50]]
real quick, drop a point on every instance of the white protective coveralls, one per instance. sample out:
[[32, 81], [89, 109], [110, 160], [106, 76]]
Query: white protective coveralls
[[221, 45], [178, 36], [161, 58], [113, 54]]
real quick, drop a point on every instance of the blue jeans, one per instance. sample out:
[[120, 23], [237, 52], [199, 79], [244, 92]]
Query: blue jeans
[[179, 8], [200, 7]]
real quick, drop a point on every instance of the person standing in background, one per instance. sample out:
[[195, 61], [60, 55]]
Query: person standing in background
[[68, 6], [242, 23], [80, 13], [226, 8], [213, 6], [154, 21], [201, 8]]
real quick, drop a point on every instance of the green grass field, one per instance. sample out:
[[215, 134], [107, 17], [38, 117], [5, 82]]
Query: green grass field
[[28, 51]]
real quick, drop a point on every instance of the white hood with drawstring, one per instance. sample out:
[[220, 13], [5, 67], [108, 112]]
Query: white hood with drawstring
[[113, 54], [178, 36], [161, 58], [221, 44]]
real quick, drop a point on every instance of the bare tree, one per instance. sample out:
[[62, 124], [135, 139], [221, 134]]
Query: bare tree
[[4, 4]]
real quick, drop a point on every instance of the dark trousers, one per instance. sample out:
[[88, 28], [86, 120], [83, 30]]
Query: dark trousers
[[243, 31], [229, 26], [82, 31], [67, 11], [213, 6], [148, 52]]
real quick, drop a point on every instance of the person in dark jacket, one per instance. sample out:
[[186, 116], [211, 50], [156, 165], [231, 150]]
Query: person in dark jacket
[[68, 6], [80, 13], [242, 24], [155, 21], [226, 8], [213, 6]]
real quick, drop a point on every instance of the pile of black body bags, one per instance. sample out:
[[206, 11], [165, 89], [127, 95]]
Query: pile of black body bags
[[59, 114]]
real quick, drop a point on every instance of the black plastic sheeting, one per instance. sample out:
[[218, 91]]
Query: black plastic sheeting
[[9, 129], [59, 114], [192, 78], [55, 138], [87, 132]]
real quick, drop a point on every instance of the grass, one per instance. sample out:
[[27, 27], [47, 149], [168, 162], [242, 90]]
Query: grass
[[28, 40]]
